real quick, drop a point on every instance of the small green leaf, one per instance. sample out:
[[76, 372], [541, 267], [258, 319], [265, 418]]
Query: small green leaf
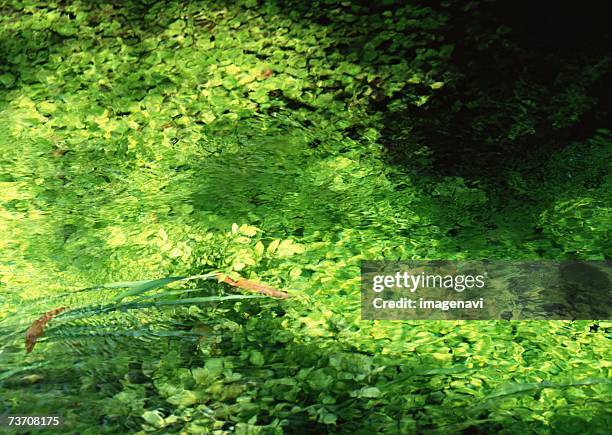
[[183, 399], [154, 419], [273, 246], [256, 358], [259, 249], [248, 230], [7, 79], [369, 392], [329, 418]]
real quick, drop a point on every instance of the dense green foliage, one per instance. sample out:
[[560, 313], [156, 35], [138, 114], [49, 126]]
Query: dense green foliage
[[286, 142]]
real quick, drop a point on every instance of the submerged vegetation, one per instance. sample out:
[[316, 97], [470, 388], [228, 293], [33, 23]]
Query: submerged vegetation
[[285, 142]]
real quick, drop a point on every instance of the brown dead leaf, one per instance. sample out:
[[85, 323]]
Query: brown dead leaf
[[256, 287], [266, 73], [38, 327]]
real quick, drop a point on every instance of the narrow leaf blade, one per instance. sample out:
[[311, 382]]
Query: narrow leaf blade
[[146, 286]]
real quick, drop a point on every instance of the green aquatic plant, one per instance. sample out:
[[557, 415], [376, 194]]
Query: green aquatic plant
[[283, 143]]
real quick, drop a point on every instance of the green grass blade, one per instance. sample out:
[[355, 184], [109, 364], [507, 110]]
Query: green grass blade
[[80, 313], [144, 286], [511, 389], [139, 287], [129, 284], [188, 301]]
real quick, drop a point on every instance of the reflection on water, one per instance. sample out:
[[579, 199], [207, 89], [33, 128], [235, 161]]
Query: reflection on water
[[94, 212]]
